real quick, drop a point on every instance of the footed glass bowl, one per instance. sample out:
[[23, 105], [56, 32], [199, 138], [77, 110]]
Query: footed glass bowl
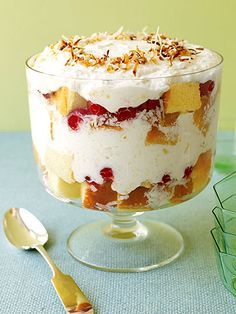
[[124, 147]]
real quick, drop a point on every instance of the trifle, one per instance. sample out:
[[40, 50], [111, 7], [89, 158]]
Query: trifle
[[124, 122]]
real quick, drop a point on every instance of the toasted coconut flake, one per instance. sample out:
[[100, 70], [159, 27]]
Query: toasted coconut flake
[[135, 68], [162, 48]]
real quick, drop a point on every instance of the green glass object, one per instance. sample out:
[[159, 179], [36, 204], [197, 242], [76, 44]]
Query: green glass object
[[225, 160], [226, 219], [226, 262], [226, 227], [224, 233], [226, 192]]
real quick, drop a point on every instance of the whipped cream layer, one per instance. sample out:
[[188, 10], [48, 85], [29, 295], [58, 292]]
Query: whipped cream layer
[[53, 61], [141, 71], [125, 152]]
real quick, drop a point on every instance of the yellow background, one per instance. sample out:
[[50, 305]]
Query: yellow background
[[27, 26]]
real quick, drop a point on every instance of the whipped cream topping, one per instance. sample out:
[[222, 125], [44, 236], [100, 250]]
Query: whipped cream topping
[[103, 71], [124, 55]]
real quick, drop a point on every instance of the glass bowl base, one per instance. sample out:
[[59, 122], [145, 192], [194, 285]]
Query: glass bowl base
[[135, 248]]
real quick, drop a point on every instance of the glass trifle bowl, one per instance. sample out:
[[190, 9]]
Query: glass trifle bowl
[[124, 123]]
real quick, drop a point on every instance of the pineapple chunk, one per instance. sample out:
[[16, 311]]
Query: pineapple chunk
[[59, 164], [199, 115], [136, 199], [66, 100], [201, 171], [95, 195], [182, 97], [169, 119], [155, 136], [181, 192], [61, 188]]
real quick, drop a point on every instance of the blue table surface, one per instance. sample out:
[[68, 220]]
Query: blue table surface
[[189, 285]]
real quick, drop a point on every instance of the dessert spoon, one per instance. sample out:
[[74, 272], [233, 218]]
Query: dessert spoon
[[25, 231]]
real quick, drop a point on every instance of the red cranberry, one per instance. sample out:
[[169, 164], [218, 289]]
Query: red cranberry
[[96, 109], [82, 111], [187, 172], [152, 104], [126, 114], [207, 87], [149, 105], [107, 174], [75, 118], [87, 178], [166, 178], [143, 106]]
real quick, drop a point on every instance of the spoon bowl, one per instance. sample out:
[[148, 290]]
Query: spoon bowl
[[23, 229]]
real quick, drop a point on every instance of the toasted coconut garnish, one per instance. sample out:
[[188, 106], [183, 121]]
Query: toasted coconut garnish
[[162, 48]]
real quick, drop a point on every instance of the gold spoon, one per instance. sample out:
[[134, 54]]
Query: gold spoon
[[25, 231]]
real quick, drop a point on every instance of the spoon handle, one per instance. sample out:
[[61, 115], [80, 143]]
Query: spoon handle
[[47, 258], [72, 298]]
